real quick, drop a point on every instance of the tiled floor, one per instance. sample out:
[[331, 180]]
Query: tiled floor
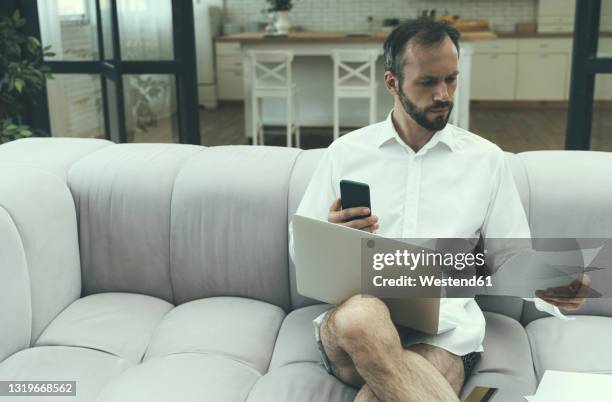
[[514, 130]]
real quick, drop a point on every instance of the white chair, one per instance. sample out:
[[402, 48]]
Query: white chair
[[271, 75], [354, 77]]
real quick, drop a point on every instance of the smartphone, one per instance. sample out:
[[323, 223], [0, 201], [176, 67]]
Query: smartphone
[[355, 194]]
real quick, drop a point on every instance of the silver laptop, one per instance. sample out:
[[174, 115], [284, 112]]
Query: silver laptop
[[328, 268]]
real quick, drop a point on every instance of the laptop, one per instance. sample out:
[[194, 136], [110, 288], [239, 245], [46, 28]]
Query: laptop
[[328, 268]]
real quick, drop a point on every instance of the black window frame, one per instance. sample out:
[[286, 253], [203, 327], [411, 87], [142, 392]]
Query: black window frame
[[113, 68], [585, 65]]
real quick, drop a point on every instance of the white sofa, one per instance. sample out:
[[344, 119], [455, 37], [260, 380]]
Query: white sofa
[[160, 272]]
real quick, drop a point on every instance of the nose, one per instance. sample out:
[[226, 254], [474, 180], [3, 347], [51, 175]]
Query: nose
[[442, 93]]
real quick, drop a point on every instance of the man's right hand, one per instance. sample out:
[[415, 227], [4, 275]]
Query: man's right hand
[[346, 217]]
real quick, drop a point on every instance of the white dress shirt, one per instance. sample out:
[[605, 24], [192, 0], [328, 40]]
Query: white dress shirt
[[458, 185]]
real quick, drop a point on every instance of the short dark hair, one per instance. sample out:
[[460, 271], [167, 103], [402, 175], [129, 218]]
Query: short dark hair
[[423, 31]]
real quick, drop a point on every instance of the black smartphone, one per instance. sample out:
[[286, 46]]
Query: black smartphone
[[355, 194]]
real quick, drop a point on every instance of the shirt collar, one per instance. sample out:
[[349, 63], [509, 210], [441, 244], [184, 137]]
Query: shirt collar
[[388, 133]]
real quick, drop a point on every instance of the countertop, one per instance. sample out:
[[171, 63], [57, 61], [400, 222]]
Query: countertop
[[509, 35], [318, 37]]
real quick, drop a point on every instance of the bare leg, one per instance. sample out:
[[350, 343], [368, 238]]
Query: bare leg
[[448, 364], [365, 394], [363, 344]]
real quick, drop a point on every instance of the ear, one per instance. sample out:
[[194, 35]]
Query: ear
[[392, 83]]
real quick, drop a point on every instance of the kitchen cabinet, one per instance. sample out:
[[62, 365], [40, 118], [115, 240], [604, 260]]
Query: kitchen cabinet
[[605, 18], [542, 68], [521, 69], [229, 71], [542, 76], [556, 15], [494, 70], [493, 76]]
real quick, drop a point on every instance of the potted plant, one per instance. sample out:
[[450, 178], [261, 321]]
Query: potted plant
[[281, 8], [22, 76]]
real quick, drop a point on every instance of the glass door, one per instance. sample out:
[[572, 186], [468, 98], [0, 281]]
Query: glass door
[[124, 70]]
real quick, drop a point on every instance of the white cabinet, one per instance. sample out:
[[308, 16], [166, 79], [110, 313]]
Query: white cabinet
[[521, 69], [542, 69], [493, 76], [605, 19], [229, 71], [494, 70], [556, 15], [542, 76]]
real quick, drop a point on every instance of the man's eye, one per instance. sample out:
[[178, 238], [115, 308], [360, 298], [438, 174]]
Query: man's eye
[[450, 80], [428, 83]]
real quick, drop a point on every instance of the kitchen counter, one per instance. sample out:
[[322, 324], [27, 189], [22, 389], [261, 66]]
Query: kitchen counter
[[538, 35], [312, 71], [326, 37]]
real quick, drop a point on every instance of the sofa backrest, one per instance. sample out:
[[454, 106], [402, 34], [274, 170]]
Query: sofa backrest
[[184, 222], [569, 196], [39, 255]]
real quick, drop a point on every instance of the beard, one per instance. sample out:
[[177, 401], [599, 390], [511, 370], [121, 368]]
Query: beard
[[420, 115]]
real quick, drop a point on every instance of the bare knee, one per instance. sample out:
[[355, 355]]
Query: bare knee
[[355, 318]]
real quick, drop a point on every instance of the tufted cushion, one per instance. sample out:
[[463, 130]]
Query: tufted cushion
[[183, 377], [239, 329], [123, 194], [91, 369], [117, 323], [506, 361], [229, 229], [580, 345]]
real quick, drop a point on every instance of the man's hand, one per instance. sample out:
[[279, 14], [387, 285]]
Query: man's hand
[[570, 297], [344, 216]]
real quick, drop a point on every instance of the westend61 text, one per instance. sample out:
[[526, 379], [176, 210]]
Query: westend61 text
[[430, 281]]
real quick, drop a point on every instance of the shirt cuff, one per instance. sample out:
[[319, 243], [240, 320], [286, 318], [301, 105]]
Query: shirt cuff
[[548, 308]]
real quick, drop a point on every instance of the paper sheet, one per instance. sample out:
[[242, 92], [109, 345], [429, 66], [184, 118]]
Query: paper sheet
[[561, 386]]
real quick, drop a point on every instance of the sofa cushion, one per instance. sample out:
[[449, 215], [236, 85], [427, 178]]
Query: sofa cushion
[[496, 368], [184, 377], [228, 233], [296, 341], [54, 154], [300, 382], [42, 211], [118, 323], [16, 321], [240, 329], [580, 345], [561, 202], [304, 167], [506, 361], [91, 369], [295, 372], [123, 196]]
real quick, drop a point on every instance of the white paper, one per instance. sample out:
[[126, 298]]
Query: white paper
[[561, 386]]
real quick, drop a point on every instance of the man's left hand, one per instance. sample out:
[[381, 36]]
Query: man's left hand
[[570, 297]]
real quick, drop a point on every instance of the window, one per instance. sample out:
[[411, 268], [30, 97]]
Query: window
[[72, 9]]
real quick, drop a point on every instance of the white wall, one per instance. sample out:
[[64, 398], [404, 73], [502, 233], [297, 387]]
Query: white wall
[[351, 15]]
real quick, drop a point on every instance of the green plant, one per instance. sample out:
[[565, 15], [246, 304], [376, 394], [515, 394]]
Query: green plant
[[280, 5], [22, 76]]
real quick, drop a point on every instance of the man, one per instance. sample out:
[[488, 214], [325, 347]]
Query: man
[[428, 179]]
